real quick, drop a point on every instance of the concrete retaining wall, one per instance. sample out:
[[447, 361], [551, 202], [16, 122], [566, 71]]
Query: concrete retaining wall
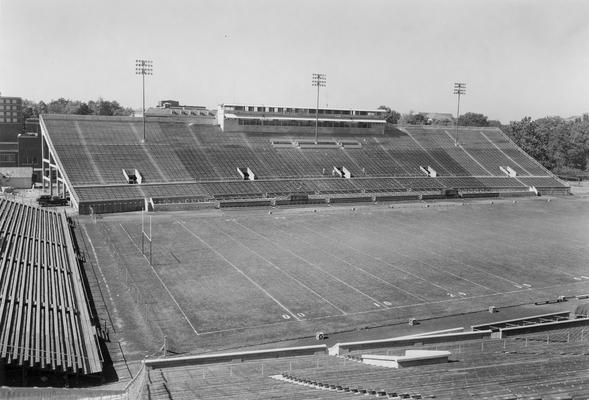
[[404, 341], [547, 327], [237, 356]]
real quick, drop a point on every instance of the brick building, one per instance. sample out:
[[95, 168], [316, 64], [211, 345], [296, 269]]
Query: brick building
[[11, 125]]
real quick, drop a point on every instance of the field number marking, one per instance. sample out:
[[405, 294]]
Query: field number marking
[[300, 314], [285, 316], [387, 303]]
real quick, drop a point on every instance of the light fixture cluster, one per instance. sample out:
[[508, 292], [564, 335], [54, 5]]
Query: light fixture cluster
[[143, 67]]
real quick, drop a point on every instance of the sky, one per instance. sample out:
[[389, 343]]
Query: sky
[[517, 57]]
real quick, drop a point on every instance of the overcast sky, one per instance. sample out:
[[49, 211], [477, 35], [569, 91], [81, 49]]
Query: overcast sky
[[518, 57]]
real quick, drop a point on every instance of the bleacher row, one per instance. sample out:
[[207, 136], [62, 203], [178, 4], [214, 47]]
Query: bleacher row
[[93, 152], [500, 375], [489, 369], [180, 152], [257, 189], [44, 314]]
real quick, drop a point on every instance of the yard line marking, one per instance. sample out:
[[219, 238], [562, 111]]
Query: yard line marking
[[429, 282], [240, 271], [444, 271], [460, 299], [382, 310], [504, 243], [281, 270], [311, 264], [355, 267], [162, 282], [460, 262]]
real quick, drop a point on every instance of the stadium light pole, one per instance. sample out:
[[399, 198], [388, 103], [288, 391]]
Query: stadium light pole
[[459, 89], [143, 67], [319, 80]]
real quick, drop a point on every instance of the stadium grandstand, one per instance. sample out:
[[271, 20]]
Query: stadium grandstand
[[46, 324], [236, 304], [534, 363], [268, 155]]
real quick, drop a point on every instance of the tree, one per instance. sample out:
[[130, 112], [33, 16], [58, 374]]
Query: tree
[[415, 119], [30, 109], [392, 116], [57, 106], [105, 107], [559, 145], [473, 119], [67, 106], [83, 109]]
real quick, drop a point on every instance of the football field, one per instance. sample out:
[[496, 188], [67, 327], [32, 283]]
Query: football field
[[267, 275]]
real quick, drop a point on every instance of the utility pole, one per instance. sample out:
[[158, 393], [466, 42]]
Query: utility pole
[[459, 89], [143, 67], [319, 80]]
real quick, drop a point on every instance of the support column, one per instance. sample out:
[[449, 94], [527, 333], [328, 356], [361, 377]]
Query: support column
[[3, 373], [43, 161], [50, 175]]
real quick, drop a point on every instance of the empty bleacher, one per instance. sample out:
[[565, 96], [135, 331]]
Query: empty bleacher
[[477, 369], [92, 152], [516, 368], [45, 320], [244, 381]]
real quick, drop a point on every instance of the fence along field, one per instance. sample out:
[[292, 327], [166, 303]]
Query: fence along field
[[297, 270]]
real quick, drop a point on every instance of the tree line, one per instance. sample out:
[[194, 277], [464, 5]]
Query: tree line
[[32, 109], [560, 145]]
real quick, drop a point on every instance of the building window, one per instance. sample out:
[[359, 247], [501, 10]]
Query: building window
[[8, 157]]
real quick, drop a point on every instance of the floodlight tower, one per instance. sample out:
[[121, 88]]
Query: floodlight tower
[[459, 89], [143, 67], [319, 80]]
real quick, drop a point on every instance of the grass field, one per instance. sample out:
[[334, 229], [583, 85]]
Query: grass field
[[247, 276]]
